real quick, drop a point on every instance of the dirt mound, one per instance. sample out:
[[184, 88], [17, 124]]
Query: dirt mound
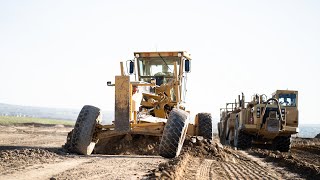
[[317, 136], [11, 160], [129, 144], [194, 147], [291, 161], [210, 157], [204, 148], [172, 169]]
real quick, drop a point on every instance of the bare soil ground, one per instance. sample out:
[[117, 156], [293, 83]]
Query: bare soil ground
[[211, 160], [34, 151]]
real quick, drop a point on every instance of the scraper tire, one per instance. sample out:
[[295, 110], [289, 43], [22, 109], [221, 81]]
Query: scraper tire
[[282, 143]]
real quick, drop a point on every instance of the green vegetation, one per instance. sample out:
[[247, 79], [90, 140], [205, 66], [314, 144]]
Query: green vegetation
[[9, 120]]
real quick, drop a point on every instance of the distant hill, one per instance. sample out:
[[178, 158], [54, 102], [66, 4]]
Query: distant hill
[[107, 116], [50, 113]]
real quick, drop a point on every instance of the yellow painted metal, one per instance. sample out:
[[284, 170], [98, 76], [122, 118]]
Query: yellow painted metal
[[251, 126], [110, 133], [290, 129], [121, 68], [176, 83], [151, 129], [160, 113], [134, 117], [191, 130], [143, 84], [122, 103], [148, 124], [163, 54], [130, 100], [196, 125]]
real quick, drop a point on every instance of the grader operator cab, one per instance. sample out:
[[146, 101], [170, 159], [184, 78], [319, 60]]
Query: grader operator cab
[[152, 104], [261, 120]]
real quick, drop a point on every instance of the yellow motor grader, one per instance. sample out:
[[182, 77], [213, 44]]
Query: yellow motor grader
[[149, 100], [262, 120]]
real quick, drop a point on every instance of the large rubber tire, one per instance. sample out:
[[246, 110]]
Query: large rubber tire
[[229, 136], [82, 141], [282, 143], [241, 139], [205, 125], [174, 134], [219, 130], [222, 134]]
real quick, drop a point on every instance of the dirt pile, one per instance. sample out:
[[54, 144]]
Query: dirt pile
[[302, 160], [204, 148], [211, 159], [194, 147], [11, 160], [129, 145], [172, 169]]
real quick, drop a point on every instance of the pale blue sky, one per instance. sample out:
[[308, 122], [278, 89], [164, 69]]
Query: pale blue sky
[[62, 53]]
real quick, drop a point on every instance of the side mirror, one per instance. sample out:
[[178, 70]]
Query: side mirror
[[187, 65], [131, 68]]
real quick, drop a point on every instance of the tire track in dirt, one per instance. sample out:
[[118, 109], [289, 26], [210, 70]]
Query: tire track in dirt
[[214, 169], [233, 168], [112, 167], [44, 171], [204, 169], [207, 159]]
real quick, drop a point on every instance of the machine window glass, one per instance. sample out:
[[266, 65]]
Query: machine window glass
[[156, 67], [287, 99]]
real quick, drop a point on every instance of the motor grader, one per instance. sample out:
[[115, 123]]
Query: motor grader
[[149, 100], [268, 121]]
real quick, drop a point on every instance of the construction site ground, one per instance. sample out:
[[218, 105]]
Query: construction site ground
[[34, 151]]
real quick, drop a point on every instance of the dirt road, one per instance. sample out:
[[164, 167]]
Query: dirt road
[[34, 152]]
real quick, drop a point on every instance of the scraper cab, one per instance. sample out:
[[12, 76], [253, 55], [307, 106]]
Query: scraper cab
[[149, 100]]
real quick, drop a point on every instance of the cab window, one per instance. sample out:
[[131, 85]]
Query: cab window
[[287, 99]]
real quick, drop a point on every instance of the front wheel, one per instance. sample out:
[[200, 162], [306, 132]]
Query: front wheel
[[174, 134], [81, 140], [282, 143]]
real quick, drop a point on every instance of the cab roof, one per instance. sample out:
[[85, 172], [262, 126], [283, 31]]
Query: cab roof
[[163, 54]]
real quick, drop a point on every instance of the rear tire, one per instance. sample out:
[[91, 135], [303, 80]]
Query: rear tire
[[222, 133], [205, 125], [219, 130], [82, 141], [174, 134], [241, 139], [231, 138], [282, 143]]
